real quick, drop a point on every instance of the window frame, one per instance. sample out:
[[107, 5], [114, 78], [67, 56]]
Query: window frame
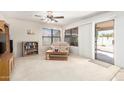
[[52, 36], [70, 35]]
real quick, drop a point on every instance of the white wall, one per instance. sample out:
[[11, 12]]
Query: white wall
[[2, 17], [18, 33], [118, 35], [85, 40], [90, 33], [74, 50]]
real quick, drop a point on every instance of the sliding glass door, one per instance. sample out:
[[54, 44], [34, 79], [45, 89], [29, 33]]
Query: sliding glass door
[[104, 49]]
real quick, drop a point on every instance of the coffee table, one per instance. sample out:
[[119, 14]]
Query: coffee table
[[60, 55]]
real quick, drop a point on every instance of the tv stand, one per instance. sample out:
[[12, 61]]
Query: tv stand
[[6, 66]]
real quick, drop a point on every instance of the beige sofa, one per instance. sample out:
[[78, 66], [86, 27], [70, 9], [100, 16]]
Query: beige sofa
[[61, 46]]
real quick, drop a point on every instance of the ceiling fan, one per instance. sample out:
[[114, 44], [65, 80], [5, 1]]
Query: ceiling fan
[[49, 17]]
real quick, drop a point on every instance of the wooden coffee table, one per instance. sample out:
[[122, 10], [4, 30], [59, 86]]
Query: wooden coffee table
[[60, 55]]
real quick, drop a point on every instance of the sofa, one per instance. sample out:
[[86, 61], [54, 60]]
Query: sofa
[[61, 46]]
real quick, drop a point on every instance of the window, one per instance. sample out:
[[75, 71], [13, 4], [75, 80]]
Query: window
[[50, 36], [71, 36]]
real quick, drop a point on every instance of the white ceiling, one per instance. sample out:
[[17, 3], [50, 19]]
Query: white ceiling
[[69, 16]]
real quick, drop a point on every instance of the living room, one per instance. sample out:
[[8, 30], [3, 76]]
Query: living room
[[76, 30]]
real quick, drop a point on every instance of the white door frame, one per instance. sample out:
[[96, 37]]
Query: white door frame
[[93, 31]]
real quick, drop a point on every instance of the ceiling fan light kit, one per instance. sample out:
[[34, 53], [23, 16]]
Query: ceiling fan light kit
[[48, 20]]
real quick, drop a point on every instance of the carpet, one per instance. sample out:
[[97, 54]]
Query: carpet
[[34, 68]]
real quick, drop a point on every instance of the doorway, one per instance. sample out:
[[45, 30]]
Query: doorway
[[104, 41]]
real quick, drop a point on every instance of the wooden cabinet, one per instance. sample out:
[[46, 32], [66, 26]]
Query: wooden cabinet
[[6, 58], [7, 38], [2, 25], [6, 66]]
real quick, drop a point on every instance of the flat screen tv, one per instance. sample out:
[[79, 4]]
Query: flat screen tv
[[2, 43]]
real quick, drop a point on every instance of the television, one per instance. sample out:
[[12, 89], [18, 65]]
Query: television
[[11, 46], [2, 43]]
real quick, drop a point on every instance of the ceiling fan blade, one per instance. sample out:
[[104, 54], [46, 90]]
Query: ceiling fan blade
[[55, 20], [59, 17]]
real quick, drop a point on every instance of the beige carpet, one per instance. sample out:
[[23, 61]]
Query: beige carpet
[[76, 68], [101, 63], [119, 76]]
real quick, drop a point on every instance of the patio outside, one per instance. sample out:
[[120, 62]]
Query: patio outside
[[105, 45]]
